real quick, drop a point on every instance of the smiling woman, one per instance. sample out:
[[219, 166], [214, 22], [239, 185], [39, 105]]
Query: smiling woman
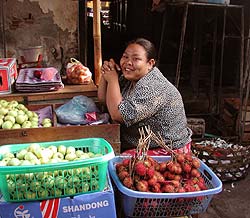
[[142, 96]]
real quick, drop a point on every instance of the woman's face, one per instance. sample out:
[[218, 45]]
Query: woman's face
[[134, 63]]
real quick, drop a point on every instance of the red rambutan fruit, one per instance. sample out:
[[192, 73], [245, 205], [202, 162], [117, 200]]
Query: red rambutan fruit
[[126, 162], [150, 172], [140, 169], [142, 186], [128, 182], [122, 175]]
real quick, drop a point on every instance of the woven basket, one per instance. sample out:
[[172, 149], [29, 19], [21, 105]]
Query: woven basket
[[229, 164]]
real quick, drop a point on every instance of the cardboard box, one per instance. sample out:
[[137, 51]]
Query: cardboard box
[[94, 205], [8, 74]]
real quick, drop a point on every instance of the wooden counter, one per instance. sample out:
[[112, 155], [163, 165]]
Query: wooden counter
[[68, 92], [110, 132]]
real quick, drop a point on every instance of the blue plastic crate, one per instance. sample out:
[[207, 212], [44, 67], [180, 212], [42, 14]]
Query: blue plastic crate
[[216, 1], [144, 204]]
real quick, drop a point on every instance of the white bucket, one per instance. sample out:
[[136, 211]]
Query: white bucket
[[30, 54]]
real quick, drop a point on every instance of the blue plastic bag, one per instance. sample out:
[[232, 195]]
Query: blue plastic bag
[[73, 112]]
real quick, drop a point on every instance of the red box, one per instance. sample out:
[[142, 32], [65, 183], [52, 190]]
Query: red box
[[8, 74]]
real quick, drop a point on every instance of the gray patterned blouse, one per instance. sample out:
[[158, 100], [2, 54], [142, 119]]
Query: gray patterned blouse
[[154, 102]]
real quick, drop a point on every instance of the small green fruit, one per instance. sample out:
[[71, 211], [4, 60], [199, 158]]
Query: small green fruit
[[7, 124]]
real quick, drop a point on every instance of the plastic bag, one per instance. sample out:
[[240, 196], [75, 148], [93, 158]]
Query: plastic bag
[[73, 112], [77, 73], [43, 113]]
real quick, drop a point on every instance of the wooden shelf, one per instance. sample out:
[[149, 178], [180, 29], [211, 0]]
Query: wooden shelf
[[60, 96], [110, 132]]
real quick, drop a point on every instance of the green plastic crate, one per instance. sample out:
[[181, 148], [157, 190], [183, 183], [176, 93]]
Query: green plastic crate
[[54, 180]]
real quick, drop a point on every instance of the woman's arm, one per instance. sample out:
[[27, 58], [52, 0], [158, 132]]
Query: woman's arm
[[109, 89], [102, 90], [113, 99]]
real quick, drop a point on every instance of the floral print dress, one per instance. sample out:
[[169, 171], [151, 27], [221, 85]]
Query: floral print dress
[[153, 101]]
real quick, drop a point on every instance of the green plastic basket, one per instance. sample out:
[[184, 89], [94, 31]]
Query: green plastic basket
[[62, 179]]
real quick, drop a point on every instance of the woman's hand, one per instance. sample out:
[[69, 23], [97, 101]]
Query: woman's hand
[[109, 70], [109, 75]]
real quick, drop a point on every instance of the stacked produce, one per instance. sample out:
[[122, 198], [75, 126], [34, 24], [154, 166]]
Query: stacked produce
[[143, 173], [35, 154], [40, 184], [162, 186], [14, 115], [180, 174]]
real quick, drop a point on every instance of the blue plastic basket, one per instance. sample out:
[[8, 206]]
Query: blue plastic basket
[[215, 1], [144, 204]]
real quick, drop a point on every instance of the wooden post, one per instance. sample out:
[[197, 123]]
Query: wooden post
[[97, 40]]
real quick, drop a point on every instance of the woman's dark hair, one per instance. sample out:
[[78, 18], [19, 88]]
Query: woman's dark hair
[[147, 45]]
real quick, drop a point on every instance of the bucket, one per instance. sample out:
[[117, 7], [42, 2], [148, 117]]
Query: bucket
[[30, 54]]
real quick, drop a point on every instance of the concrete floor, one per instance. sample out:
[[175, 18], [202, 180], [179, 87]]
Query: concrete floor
[[232, 202]]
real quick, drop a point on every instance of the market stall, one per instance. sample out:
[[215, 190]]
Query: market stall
[[71, 176], [81, 155], [193, 201]]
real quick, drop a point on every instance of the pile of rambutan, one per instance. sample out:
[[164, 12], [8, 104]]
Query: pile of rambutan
[[178, 173]]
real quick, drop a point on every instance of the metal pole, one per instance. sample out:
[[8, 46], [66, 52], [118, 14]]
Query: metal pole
[[215, 33], [243, 120], [222, 59], [183, 31], [163, 30]]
